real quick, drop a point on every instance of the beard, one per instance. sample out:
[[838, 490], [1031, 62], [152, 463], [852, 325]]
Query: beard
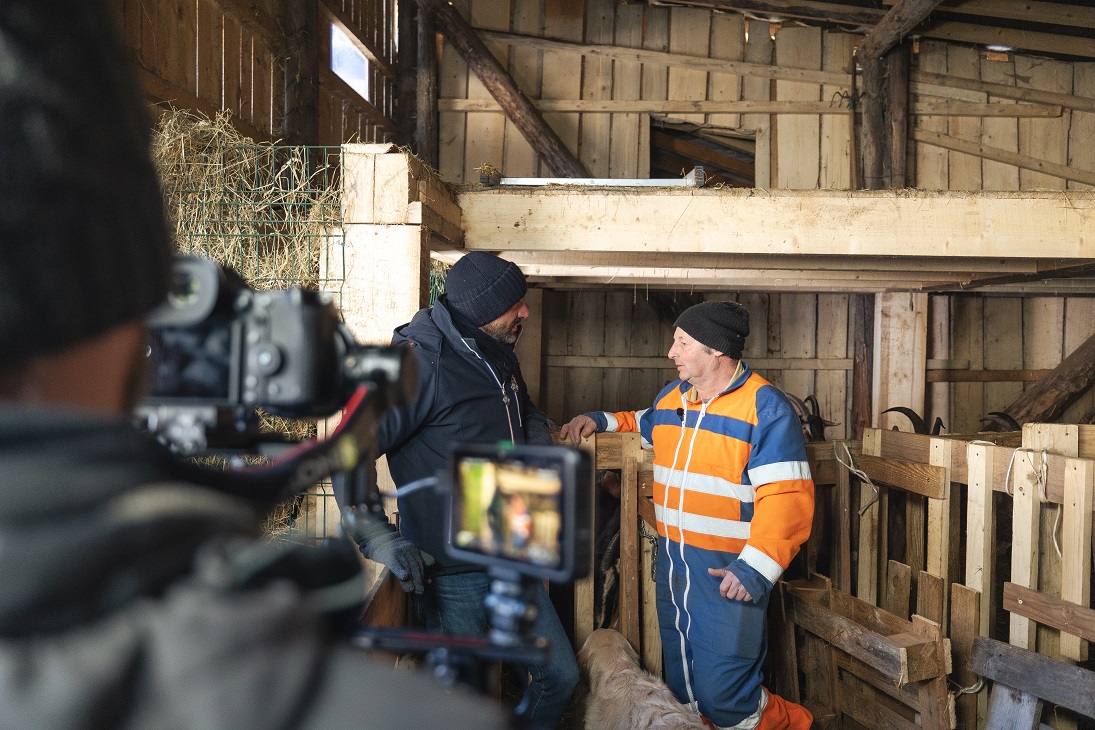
[[506, 334]]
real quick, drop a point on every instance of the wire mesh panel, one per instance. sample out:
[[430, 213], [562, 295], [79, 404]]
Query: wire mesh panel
[[270, 213]]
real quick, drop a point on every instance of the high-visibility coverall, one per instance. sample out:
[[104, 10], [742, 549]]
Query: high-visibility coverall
[[732, 490]]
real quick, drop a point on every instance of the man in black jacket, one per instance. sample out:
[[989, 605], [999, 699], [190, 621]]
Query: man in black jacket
[[131, 599], [470, 391]]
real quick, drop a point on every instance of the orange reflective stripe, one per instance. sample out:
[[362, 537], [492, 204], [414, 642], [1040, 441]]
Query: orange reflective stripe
[[698, 503]]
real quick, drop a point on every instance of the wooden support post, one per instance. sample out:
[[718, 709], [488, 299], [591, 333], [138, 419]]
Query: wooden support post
[[980, 531], [583, 588], [1026, 513], [1048, 398], [1075, 547], [894, 26], [965, 626], [629, 539], [872, 527], [426, 86], [897, 112], [1062, 439], [843, 533], [940, 527], [652, 638], [300, 123]]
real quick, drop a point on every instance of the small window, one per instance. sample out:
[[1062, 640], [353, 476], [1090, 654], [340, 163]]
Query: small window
[[349, 63]]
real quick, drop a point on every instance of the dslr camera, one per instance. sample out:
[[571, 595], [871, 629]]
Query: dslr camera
[[220, 353]]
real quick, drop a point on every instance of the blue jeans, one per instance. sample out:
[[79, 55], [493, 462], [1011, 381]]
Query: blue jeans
[[453, 604]]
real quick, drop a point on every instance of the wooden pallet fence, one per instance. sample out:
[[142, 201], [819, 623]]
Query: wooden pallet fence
[[863, 663]]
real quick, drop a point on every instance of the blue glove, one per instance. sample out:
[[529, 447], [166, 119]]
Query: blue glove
[[381, 542]]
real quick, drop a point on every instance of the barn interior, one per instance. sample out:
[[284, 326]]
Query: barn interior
[[899, 192]]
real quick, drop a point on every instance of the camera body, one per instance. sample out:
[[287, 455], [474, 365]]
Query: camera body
[[219, 343]]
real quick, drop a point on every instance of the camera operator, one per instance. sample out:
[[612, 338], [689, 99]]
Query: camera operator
[[470, 390], [128, 599]]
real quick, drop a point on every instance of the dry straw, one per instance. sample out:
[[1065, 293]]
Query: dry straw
[[263, 209]]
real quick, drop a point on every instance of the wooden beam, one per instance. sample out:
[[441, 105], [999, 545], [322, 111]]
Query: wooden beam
[[300, 124], [1029, 11], [999, 155], [1053, 681], [426, 88], [560, 160], [1062, 615], [985, 376], [923, 479], [776, 10], [159, 91], [662, 58], [1042, 224], [1048, 398], [902, 18], [923, 79], [1025, 40], [958, 267], [333, 83], [598, 361], [681, 106]]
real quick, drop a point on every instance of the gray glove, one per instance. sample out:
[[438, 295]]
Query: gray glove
[[381, 542]]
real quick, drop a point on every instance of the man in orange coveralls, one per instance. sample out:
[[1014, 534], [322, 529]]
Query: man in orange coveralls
[[734, 502]]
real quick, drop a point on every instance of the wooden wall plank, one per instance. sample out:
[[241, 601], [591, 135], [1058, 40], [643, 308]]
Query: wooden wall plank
[[1081, 153], [233, 60], [616, 384], [937, 398], [931, 161], [689, 33], [964, 170], [831, 387], [900, 354], [1079, 320], [210, 26], [759, 48], [624, 153], [798, 136], [261, 91], [584, 385], [1003, 317], [247, 74], [452, 126], [526, 67], [596, 128], [562, 78], [1044, 139], [727, 42], [486, 131], [799, 325], [556, 323], [530, 347], [655, 77], [1076, 547], [999, 132], [836, 129], [1025, 521]]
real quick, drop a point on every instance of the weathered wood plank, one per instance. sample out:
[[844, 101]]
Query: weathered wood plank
[[1053, 681], [1056, 612], [923, 479]]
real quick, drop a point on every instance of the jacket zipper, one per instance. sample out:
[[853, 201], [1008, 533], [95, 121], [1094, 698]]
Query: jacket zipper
[[501, 387]]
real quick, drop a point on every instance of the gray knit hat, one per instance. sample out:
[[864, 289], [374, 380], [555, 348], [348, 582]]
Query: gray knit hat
[[83, 241], [482, 287], [722, 326]]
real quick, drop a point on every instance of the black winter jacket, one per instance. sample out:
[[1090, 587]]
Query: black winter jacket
[[461, 399]]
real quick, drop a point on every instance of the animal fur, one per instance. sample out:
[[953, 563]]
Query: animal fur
[[621, 695]]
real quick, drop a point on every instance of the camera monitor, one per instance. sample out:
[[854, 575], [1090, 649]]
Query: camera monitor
[[524, 507]]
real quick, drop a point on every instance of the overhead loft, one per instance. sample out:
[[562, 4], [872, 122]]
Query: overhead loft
[[801, 240]]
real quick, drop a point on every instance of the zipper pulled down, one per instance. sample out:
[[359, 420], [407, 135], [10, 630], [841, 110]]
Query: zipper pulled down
[[501, 387]]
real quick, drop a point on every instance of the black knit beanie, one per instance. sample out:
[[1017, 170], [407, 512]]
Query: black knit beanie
[[722, 326], [483, 287], [83, 241]]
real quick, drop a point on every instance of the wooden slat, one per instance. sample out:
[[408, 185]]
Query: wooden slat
[[1056, 682], [898, 589], [1026, 162], [930, 597], [798, 138], [923, 479], [901, 658], [1056, 612], [1026, 509], [625, 144], [872, 526], [629, 538], [940, 548], [1076, 548], [964, 627]]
